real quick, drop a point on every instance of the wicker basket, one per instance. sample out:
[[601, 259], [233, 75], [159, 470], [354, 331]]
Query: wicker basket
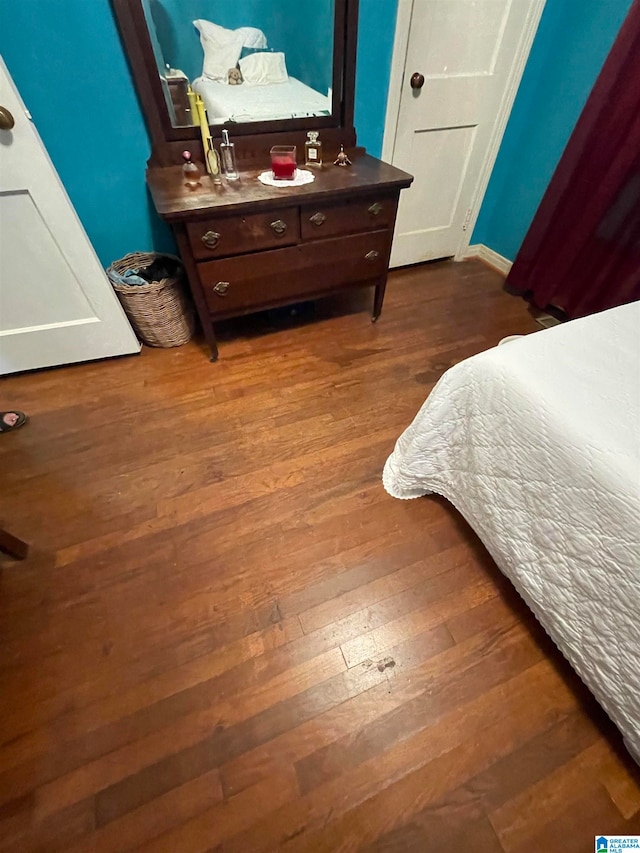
[[160, 311]]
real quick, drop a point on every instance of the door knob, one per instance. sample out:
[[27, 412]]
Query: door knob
[[417, 80], [6, 119]]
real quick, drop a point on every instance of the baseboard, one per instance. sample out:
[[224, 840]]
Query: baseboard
[[488, 256]]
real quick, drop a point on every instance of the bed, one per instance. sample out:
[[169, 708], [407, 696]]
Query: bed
[[290, 99], [537, 444]]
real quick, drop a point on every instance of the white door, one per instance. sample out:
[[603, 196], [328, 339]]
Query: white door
[[56, 303], [471, 54]]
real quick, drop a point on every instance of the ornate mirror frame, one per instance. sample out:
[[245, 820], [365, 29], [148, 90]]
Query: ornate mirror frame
[[253, 139]]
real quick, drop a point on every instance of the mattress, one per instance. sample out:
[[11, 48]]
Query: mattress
[[291, 99], [537, 444]]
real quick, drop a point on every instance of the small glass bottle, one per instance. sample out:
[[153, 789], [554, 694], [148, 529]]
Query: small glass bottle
[[228, 157], [190, 171], [313, 150]]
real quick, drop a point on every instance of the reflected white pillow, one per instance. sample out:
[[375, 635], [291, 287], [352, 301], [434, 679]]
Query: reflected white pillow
[[251, 36], [221, 49], [262, 68]]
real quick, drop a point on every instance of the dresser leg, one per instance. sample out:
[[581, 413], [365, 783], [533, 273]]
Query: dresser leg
[[210, 337], [211, 341], [378, 299]]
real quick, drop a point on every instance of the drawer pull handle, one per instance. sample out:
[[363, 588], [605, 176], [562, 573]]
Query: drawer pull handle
[[317, 219], [221, 288], [372, 256], [279, 227], [211, 239], [375, 209]]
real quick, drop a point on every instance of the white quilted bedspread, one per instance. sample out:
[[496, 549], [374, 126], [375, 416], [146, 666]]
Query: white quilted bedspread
[[537, 444]]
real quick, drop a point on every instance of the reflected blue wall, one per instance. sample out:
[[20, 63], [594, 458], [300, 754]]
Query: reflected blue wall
[[302, 29]]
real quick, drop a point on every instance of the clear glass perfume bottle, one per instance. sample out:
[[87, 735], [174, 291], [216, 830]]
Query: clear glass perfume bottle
[[190, 171], [312, 149], [228, 157]]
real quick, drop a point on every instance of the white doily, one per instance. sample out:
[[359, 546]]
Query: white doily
[[303, 176]]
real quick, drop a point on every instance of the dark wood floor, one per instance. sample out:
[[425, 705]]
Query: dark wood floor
[[229, 638]]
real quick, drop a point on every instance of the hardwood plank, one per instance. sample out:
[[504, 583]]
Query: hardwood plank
[[227, 637], [372, 644], [208, 829], [398, 593], [368, 562], [250, 629], [585, 816], [534, 761], [416, 771], [195, 698], [60, 830], [153, 819], [520, 818], [25, 832], [176, 753], [16, 816], [499, 609], [452, 828], [483, 667], [369, 694], [620, 777], [538, 757], [187, 699]]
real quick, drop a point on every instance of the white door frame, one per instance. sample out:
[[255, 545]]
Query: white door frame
[[396, 82]]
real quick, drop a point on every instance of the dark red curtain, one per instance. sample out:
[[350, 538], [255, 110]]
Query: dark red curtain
[[582, 251]]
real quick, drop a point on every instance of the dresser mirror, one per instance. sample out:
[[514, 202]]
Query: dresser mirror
[[250, 60], [259, 66]]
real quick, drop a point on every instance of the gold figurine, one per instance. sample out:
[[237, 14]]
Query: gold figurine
[[342, 159]]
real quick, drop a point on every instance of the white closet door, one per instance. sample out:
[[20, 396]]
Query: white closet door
[[56, 303]]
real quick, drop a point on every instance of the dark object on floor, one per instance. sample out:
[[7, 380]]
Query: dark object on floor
[[13, 546]]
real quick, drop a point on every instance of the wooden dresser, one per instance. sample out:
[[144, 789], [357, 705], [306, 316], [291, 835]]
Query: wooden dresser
[[247, 246]]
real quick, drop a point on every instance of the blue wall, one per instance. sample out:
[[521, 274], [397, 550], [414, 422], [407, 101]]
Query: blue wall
[[67, 62], [376, 32], [68, 65], [571, 44]]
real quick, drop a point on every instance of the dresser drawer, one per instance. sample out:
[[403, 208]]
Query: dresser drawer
[[234, 235], [348, 217], [236, 284]]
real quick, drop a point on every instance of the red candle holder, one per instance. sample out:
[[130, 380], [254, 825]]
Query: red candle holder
[[283, 162]]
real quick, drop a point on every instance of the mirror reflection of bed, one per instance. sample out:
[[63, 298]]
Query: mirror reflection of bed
[[249, 60]]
